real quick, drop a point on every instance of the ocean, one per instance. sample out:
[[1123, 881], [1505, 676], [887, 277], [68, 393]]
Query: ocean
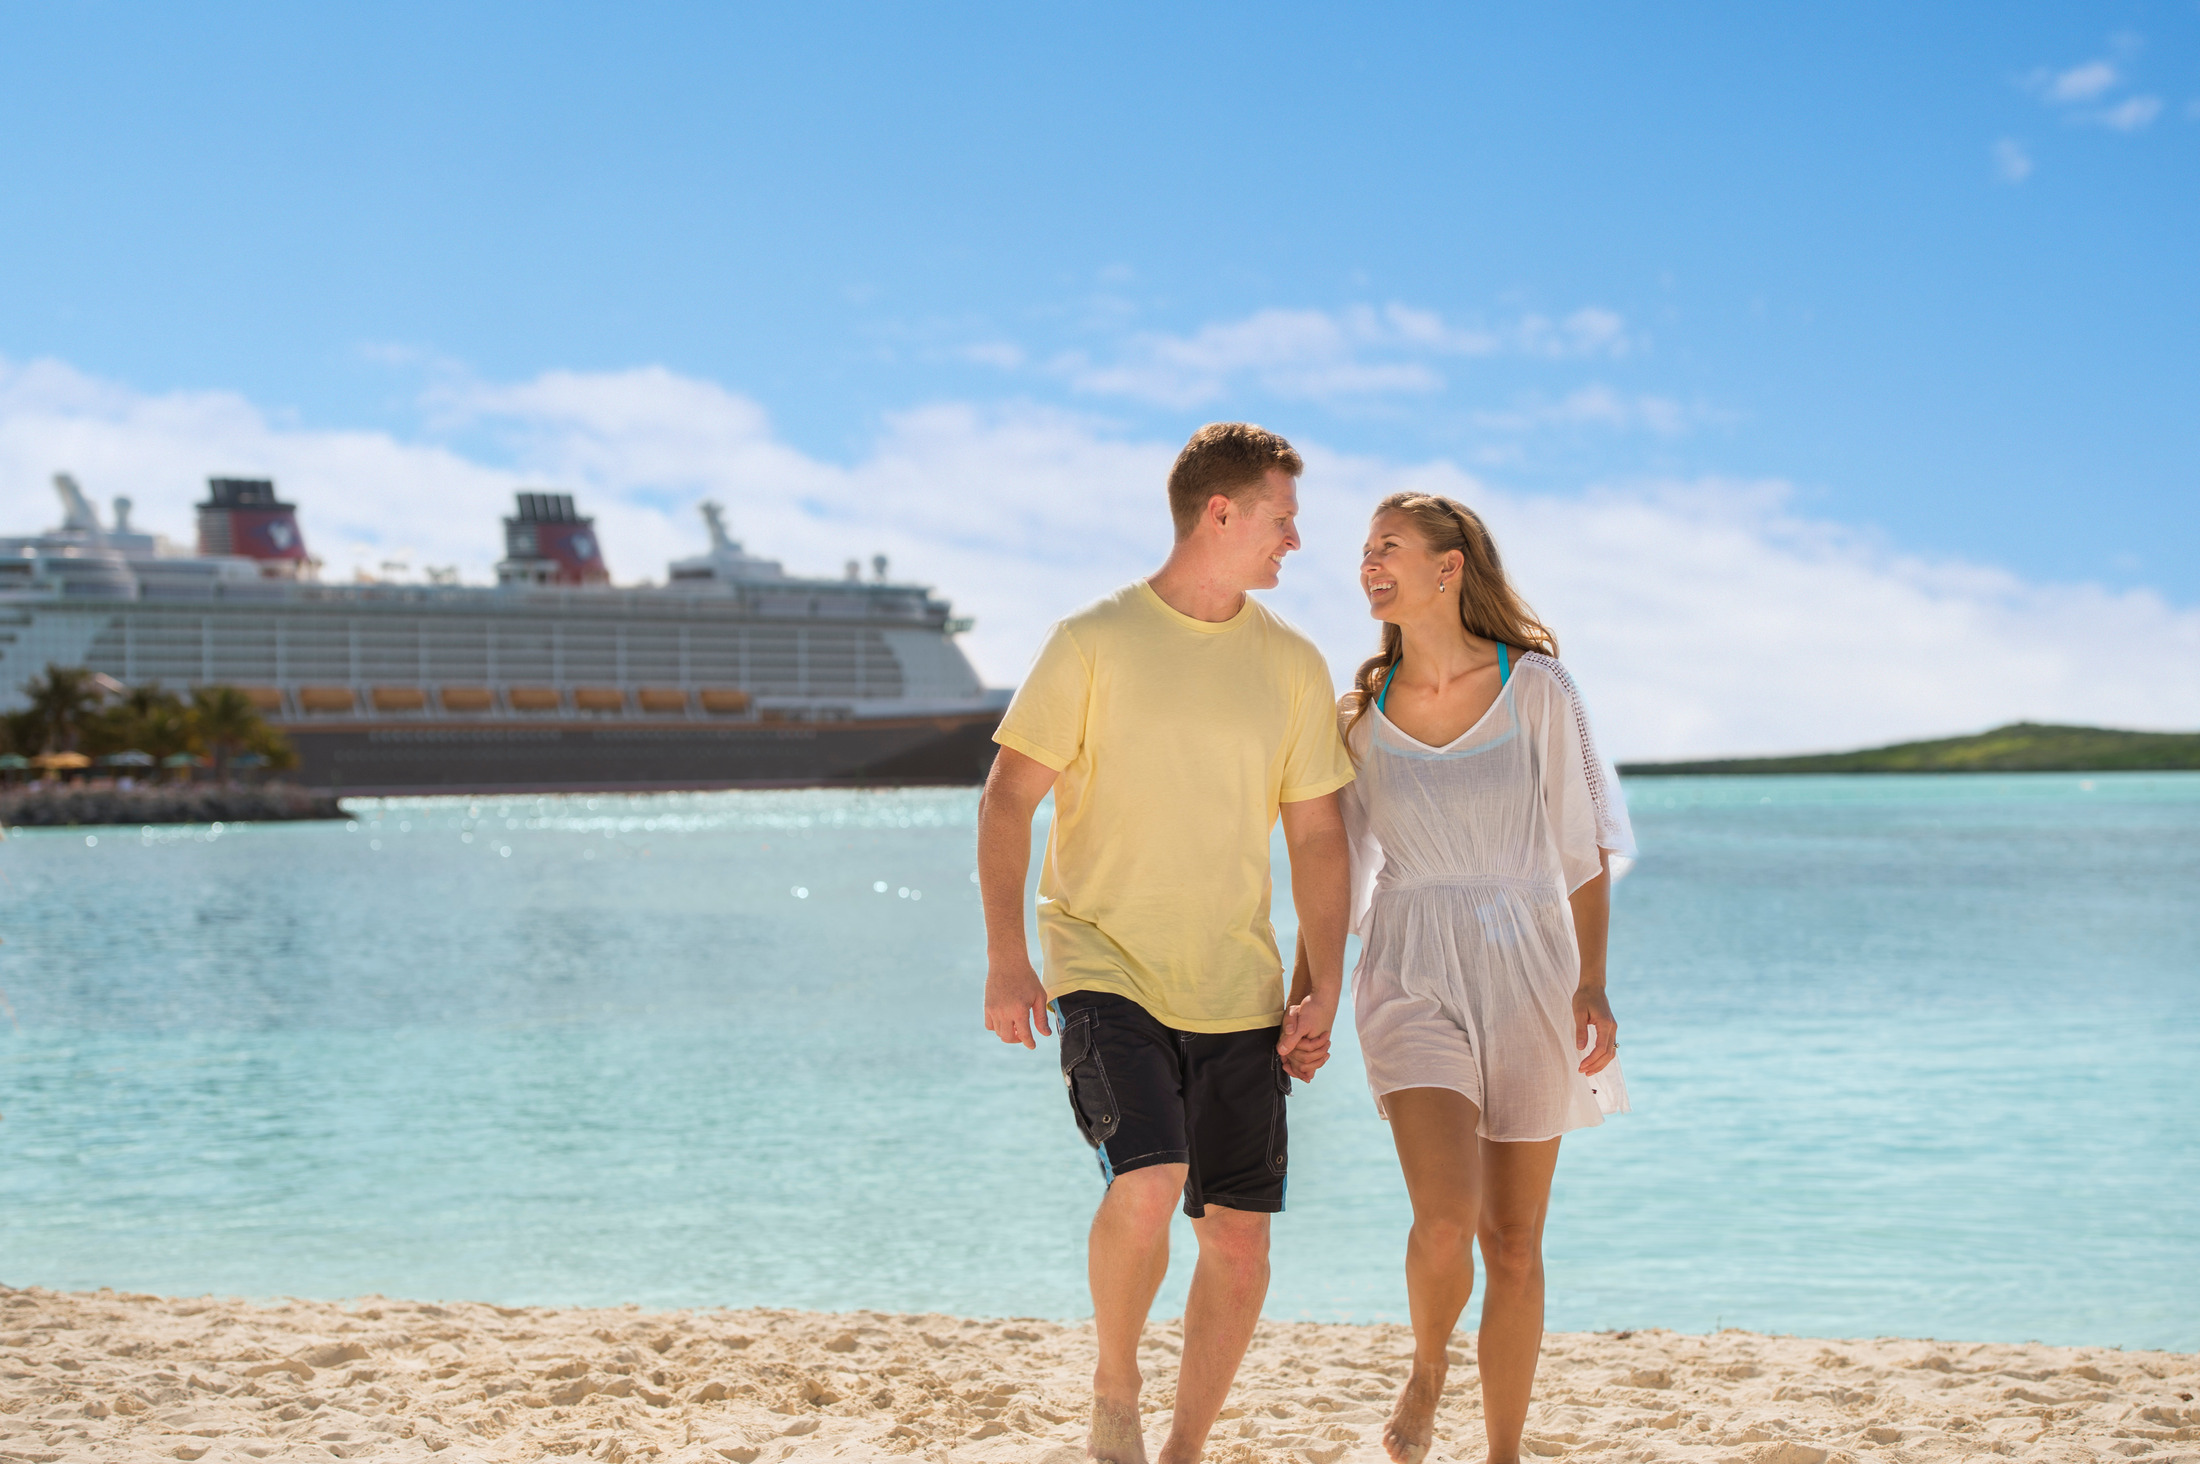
[[1911, 1056]]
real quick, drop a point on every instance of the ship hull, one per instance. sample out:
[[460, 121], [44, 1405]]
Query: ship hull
[[638, 756]]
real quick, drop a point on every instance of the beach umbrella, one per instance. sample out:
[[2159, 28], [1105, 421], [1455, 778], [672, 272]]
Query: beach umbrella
[[131, 759], [179, 760], [246, 760], [13, 761], [61, 761]]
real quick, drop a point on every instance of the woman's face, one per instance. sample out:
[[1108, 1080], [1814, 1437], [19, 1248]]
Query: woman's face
[[1398, 573]]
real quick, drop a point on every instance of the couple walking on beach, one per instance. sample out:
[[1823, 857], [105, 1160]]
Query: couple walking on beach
[[1451, 810]]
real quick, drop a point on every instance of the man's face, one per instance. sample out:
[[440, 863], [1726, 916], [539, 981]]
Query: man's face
[[1261, 530]]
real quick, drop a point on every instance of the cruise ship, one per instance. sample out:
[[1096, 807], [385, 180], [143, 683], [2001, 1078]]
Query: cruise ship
[[731, 674]]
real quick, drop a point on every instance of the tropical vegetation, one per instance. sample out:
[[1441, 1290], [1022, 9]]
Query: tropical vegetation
[[2021, 747], [71, 709]]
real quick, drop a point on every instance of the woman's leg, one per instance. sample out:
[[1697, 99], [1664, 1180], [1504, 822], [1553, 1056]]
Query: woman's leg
[[1434, 1131], [1516, 1195]]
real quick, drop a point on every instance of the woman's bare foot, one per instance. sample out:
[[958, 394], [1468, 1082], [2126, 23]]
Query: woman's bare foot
[[1115, 1437], [1412, 1425]]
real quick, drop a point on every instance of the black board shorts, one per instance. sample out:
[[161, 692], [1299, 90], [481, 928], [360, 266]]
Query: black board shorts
[[1145, 1094]]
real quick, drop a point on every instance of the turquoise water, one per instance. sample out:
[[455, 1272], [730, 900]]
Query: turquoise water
[[1912, 1057]]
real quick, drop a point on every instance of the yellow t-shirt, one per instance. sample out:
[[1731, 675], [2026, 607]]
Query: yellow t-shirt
[[1176, 739]]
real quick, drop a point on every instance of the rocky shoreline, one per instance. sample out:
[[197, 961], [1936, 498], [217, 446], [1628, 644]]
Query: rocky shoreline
[[74, 805]]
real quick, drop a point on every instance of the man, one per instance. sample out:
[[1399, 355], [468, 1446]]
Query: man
[[1172, 721]]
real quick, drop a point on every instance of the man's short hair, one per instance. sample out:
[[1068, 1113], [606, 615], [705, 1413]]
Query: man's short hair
[[1230, 458]]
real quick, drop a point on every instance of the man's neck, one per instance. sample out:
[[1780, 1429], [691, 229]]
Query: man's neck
[[1190, 586]]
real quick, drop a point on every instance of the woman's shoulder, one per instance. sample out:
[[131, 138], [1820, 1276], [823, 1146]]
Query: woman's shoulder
[[1355, 721], [1550, 690], [1540, 666]]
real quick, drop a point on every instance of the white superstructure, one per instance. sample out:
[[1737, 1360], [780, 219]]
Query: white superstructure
[[730, 637]]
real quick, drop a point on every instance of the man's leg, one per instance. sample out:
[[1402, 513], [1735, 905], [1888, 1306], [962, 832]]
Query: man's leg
[[1235, 1093], [1228, 1287], [1126, 1259], [1120, 1071]]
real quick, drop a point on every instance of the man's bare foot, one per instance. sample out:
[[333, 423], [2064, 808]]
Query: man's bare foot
[[1115, 1437], [1412, 1425]]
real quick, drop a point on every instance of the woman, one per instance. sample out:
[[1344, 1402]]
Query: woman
[[1483, 823]]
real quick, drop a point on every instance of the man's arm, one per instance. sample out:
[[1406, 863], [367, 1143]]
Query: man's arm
[[1312, 1053], [1015, 1001], [1313, 829]]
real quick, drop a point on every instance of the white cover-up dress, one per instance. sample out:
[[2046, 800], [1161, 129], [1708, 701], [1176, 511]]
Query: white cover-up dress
[[1462, 860]]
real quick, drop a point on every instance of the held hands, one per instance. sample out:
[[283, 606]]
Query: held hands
[[1304, 1046], [1592, 1010], [1015, 1001]]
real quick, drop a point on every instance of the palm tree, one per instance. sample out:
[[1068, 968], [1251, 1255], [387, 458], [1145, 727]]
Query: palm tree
[[227, 723], [62, 701], [274, 749], [123, 725], [165, 730], [24, 734], [146, 699]]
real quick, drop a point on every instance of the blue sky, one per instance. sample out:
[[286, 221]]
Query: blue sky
[[1930, 269]]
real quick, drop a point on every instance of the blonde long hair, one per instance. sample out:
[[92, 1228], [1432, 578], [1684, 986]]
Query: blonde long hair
[[1489, 606]]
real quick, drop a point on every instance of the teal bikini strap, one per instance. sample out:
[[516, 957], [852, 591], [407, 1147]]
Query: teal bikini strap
[[1504, 674]]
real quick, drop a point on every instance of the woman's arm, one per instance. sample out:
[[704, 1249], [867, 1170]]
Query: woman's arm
[[1592, 907]]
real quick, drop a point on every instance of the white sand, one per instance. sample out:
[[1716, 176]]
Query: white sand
[[107, 1376]]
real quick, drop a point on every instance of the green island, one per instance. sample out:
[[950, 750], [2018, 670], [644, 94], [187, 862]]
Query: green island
[[2020, 747]]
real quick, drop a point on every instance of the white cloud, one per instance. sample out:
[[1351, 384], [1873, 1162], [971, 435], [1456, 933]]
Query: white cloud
[[2012, 164], [1427, 330], [1711, 616], [1320, 355], [1006, 355], [1292, 353], [366, 494], [2131, 114], [2078, 87], [2081, 83], [1585, 333], [1702, 618], [1595, 405]]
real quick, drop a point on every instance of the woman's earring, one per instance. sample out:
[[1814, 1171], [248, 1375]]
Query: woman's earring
[[1441, 587]]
